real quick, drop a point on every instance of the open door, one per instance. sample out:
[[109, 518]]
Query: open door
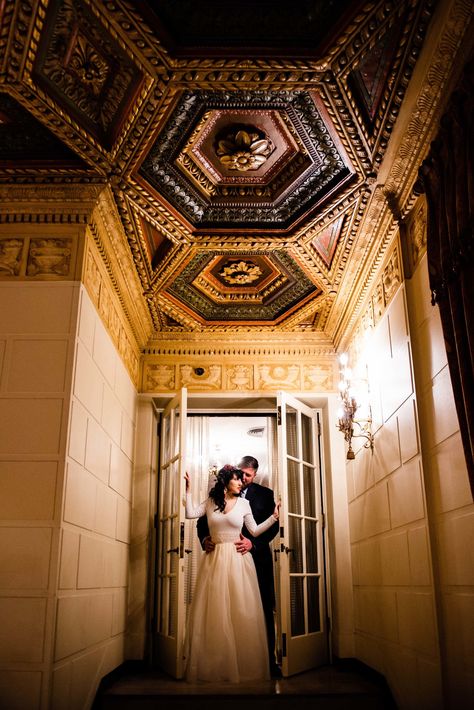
[[304, 642], [170, 617]]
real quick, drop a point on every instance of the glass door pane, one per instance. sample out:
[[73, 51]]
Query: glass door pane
[[302, 586], [170, 544]]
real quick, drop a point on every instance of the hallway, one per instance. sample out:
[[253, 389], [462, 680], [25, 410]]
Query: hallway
[[343, 686]]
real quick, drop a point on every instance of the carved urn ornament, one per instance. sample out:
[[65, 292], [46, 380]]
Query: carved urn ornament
[[243, 149]]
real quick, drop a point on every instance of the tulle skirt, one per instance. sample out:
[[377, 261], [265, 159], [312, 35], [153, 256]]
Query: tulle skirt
[[226, 637]]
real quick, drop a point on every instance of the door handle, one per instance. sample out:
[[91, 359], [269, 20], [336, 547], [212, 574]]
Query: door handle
[[288, 550], [173, 549]]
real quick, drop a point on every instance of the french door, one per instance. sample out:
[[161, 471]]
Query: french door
[[302, 589], [299, 568], [170, 612]]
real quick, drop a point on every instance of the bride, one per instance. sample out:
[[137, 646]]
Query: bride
[[226, 637]]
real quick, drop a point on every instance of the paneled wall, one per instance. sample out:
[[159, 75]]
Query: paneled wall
[[95, 536], [450, 503], [395, 621], [37, 325], [67, 428]]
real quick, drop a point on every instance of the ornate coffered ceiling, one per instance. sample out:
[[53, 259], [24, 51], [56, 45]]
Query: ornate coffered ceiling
[[242, 157]]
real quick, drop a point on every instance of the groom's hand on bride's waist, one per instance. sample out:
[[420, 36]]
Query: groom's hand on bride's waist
[[208, 545], [243, 545]]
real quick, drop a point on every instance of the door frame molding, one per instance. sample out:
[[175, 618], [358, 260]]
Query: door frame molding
[[337, 543]]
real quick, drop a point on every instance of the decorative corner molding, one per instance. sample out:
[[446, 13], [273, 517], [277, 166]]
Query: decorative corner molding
[[104, 297]]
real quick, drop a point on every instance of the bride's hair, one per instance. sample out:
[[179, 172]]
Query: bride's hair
[[217, 493]]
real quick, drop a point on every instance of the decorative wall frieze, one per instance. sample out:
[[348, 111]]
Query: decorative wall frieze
[[38, 255], [219, 373], [251, 362]]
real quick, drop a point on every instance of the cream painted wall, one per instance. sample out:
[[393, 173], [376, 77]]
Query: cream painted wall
[[37, 325], [450, 505], [96, 511], [395, 619], [67, 426]]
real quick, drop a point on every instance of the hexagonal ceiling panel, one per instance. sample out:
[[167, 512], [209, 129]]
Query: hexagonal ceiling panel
[[241, 158], [250, 288], [246, 159]]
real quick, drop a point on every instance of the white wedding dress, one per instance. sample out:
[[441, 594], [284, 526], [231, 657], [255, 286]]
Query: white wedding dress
[[226, 638]]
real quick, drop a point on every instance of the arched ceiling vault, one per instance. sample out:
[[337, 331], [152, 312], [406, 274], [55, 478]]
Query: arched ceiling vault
[[241, 144]]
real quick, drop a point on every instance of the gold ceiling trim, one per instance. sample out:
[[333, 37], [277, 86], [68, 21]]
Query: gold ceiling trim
[[409, 145], [107, 231], [48, 203], [103, 293]]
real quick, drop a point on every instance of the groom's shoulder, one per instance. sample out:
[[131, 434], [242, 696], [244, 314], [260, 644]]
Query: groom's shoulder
[[262, 490]]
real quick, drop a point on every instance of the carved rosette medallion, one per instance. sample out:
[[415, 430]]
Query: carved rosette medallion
[[240, 272], [243, 149]]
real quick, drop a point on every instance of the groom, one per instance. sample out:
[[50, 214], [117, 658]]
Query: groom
[[262, 506]]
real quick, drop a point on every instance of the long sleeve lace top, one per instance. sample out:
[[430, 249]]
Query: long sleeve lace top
[[226, 527]]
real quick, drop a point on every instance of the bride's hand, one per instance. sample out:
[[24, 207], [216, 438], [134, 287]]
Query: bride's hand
[[276, 512], [188, 482]]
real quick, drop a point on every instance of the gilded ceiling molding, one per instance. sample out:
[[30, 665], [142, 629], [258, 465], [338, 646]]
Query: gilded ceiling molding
[[107, 230], [163, 217], [343, 119], [390, 18], [136, 31], [23, 53], [430, 102], [129, 213], [48, 203], [412, 147], [313, 345], [103, 293], [148, 123], [327, 274], [376, 234], [388, 281], [305, 314]]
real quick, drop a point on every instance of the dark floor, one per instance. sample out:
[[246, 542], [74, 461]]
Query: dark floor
[[338, 687]]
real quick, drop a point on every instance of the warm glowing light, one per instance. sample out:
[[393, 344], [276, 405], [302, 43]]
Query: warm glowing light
[[351, 399]]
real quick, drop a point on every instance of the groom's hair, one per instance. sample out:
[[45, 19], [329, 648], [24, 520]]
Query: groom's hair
[[248, 462]]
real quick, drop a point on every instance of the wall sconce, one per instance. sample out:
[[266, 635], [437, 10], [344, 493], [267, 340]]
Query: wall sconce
[[346, 413]]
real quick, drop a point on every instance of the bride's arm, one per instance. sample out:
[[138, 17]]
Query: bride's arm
[[255, 529], [192, 511]]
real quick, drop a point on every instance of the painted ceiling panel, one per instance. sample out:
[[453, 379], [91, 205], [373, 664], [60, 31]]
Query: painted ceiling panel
[[240, 155]]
